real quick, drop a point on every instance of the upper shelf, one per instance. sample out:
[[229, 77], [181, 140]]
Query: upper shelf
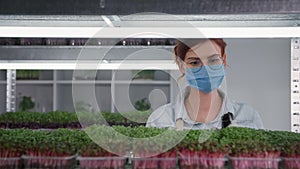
[[94, 53], [87, 57], [152, 25], [152, 20]]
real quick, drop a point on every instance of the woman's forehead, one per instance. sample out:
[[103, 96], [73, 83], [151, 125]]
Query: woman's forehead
[[204, 49]]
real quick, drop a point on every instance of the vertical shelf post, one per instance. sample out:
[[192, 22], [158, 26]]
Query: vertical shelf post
[[54, 90], [11, 90], [295, 85], [113, 91]]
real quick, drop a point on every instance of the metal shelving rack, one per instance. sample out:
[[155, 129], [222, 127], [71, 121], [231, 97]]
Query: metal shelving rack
[[57, 83], [210, 26], [70, 64], [295, 92]]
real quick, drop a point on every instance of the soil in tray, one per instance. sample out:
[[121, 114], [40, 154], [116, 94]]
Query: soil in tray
[[49, 162], [10, 163], [102, 163], [202, 163], [200, 167], [154, 163], [254, 164], [290, 163]]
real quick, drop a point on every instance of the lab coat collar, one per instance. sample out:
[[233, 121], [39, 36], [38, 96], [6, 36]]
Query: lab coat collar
[[181, 112]]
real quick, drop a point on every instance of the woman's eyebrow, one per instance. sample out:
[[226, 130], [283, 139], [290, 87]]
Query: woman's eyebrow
[[214, 55], [193, 58]]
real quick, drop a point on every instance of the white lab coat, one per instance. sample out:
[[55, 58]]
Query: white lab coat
[[167, 115]]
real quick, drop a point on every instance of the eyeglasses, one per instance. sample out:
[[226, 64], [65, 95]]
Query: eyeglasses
[[214, 61]]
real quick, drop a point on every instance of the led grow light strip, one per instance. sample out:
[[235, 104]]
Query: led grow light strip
[[89, 65], [122, 32], [295, 85]]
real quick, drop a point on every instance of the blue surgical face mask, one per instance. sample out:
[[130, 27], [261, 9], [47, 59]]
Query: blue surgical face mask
[[205, 78]]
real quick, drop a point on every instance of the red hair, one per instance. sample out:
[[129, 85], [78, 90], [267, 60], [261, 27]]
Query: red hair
[[182, 47]]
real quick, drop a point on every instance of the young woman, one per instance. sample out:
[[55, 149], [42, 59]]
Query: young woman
[[202, 104]]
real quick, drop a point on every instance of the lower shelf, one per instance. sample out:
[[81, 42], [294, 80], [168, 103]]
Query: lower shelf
[[78, 162]]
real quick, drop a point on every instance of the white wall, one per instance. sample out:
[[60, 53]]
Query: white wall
[[258, 73]]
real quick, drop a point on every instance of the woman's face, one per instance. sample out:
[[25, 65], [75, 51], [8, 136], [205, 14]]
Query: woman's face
[[205, 53]]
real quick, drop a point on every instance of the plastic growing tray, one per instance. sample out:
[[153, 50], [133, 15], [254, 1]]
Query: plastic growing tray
[[32, 162], [11, 162], [254, 163], [202, 163], [291, 163], [154, 163], [102, 162]]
